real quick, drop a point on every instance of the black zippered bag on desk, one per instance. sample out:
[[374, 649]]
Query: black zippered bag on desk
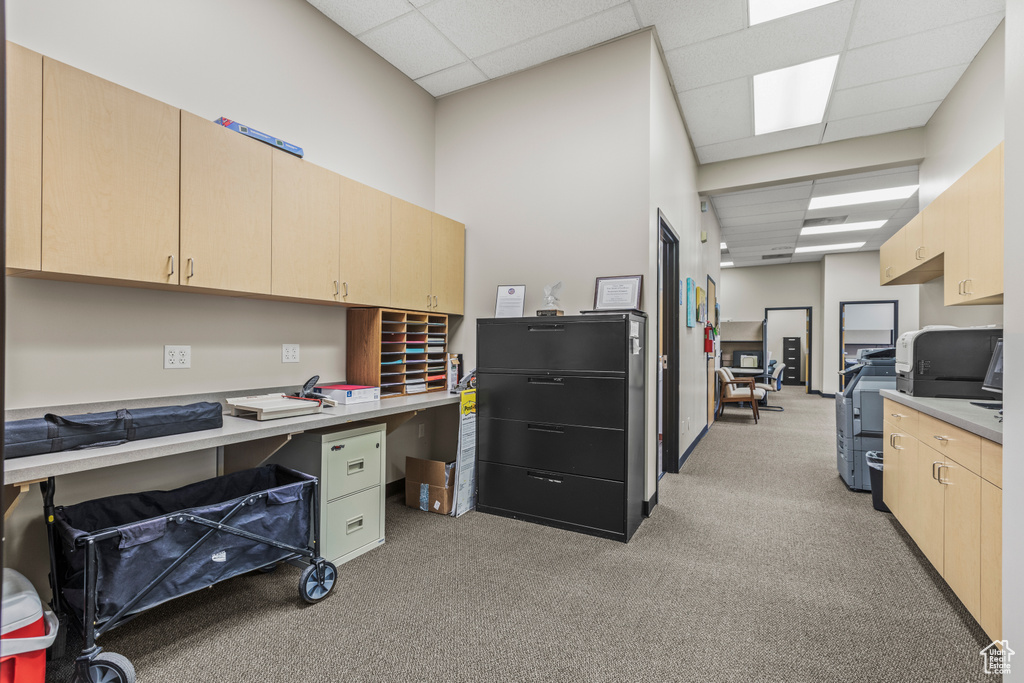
[[53, 433]]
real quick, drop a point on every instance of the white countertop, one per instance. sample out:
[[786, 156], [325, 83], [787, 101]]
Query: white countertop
[[235, 430], [956, 411]]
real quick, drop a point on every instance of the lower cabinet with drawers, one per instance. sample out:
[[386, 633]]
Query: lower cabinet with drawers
[[561, 421], [350, 465], [944, 485]]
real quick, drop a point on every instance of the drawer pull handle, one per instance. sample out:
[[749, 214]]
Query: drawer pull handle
[[546, 328], [550, 429], [338, 447], [552, 381], [941, 438], [356, 466], [353, 525], [896, 415], [554, 479]]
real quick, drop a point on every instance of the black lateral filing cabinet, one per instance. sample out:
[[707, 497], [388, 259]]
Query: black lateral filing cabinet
[[561, 420], [791, 357]]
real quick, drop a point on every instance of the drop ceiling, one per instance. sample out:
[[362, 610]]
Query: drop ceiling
[[898, 58]]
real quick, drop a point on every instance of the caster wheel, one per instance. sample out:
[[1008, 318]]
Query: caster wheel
[[269, 569], [313, 588], [108, 667]]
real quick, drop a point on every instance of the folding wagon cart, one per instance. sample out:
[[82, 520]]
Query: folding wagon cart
[[113, 558]]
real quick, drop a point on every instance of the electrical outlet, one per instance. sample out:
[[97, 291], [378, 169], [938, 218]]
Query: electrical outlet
[[289, 353], [422, 431], [177, 357]]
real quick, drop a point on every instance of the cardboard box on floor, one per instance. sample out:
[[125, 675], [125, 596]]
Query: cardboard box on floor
[[429, 484]]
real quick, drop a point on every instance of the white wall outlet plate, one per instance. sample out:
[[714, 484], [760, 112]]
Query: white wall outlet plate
[[177, 357], [289, 353]]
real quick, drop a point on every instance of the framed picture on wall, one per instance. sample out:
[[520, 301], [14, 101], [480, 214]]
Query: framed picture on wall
[[691, 302], [618, 293]]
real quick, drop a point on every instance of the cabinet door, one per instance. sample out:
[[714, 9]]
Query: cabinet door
[[365, 244], [907, 486], [448, 264], [985, 205], [891, 463], [930, 498], [306, 229], [933, 220], [956, 237], [914, 245], [410, 256], [110, 179], [991, 560], [24, 160], [961, 565], [225, 208], [891, 257]]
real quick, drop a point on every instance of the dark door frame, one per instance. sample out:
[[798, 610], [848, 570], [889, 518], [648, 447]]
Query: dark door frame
[[668, 246], [892, 334], [810, 338], [708, 356]]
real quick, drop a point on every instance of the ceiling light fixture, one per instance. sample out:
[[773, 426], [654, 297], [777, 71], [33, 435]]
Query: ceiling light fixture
[[726, 264], [870, 197], [722, 246], [761, 11], [830, 247], [793, 97], [842, 227]]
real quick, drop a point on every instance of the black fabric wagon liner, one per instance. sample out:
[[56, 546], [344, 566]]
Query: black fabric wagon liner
[[138, 536]]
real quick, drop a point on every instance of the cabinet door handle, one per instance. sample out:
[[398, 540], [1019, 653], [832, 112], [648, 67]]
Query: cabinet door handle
[[172, 265], [435, 301], [353, 525], [934, 475], [967, 291], [356, 466], [960, 287], [545, 328], [944, 482], [548, 381], [544, 476], [191, 267], [550, 429], [917, 253], [428, 301], [337, 290], [346, 288], [896, 445]]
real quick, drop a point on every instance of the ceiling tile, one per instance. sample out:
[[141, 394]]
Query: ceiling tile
[[886, 177], [413, 45], [685, 23], [776, 193], [449, 80], [928, 51], [761, 144], [764, 210], [778, 221], [479, 28], [884, 122], [791, 40], [357, 17], [568, 39], [880, 20], [931, 86], [719, 112]]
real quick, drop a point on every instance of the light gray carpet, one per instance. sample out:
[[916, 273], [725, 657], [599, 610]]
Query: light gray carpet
[[757, 565]]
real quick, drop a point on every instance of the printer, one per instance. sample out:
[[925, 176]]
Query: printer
[[942, 361]]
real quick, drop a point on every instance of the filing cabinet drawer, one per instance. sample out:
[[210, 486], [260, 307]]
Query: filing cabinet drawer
[[552, 497], [546, 344], [351, 523], [564, 399], [952, 442], [352, 463], [586, 451]]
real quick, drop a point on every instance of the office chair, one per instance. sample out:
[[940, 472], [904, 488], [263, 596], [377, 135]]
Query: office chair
[[738, 390], [773, 384]]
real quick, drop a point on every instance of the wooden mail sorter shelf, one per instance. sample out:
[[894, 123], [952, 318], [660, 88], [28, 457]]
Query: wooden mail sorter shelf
[[402, 352]]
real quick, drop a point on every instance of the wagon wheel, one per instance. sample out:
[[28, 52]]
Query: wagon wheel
[[313, 588], [108, 667]]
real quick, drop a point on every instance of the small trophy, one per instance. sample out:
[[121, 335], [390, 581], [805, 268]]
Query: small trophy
[[551, 300]]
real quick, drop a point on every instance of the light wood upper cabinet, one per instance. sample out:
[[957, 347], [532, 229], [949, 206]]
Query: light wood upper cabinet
[[975, 275], [225, 208], [448, 259], [961, 565], [24, 161], [365, 244], [307, 230], [893, 257], [958, 240], [110, 179], [991, 560], [410, 256]]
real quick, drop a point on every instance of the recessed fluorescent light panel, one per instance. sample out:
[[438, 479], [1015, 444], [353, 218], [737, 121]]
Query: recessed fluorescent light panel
[[842, 227], [830, 247], [722, 246], [869, 197], [766, 10], [793, 97], [726, 264]]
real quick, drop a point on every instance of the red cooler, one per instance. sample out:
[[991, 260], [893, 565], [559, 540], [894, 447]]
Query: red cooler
[[26, 632]]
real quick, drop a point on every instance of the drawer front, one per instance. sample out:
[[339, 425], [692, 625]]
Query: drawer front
[[594, 503], [598, 345], [992, 462], [904, 419], [351, 522], [585, 451], [568, 400], [954, 443], [352, 464]]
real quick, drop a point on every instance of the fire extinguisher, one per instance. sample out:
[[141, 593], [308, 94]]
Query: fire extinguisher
[[709, 339]]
